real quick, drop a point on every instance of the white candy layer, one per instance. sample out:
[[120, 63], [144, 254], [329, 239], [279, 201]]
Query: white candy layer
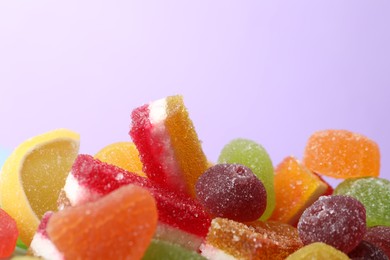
[[41, 246], [213, 253], [76, 193]]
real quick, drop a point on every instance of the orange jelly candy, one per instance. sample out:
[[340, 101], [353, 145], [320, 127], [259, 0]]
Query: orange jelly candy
[[342, 154], [296, 188], [120, 225], [255, 240]]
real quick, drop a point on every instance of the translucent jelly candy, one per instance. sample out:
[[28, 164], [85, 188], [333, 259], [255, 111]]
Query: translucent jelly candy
[[8, 234], [257, 240], [366, 250], [342, 154], [168, 144], [232, 191], [374, 193], [379, 236], [339, 221], [318, 251], [163, 250], [296, 188], [122, 154], [254, 156], [117, 226], [91, 179]]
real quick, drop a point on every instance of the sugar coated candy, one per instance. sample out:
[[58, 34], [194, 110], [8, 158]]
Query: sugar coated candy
[[232, 191], [163, 250], [339, 221], [379, 236], [228, 239], [168, 144], [119, 225], [366, 250], [318, 251], [8, 234], [296, 188], [91, 179], [374, 193], [256, 158], [342, 154]]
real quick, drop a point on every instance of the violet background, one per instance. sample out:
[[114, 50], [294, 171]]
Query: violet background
[[271, 71]]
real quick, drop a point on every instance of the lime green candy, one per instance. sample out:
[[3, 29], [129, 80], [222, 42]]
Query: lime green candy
[[374, 193], [255, 157], [163, 250]]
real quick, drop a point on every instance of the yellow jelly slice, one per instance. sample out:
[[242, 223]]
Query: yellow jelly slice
[[33, 176], [318, 251], [122, 154]]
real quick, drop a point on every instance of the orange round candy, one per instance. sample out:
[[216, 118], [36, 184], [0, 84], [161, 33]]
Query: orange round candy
[[120, 225], [342, 154]]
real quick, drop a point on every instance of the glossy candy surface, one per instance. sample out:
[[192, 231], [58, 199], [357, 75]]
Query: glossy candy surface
[[339, 221], [255, 157], [374, 193], [231, 191]]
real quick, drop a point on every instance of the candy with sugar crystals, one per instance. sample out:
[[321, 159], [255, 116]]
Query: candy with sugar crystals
[[318, 251], [232, 191], [339, 221], [296, 188], [8, 234], [379, 236], [342, 154], [160, 249], [366, 250], [374, 193], [256, 158]]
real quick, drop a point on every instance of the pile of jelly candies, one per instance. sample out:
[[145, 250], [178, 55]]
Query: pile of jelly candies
[[242, 207]]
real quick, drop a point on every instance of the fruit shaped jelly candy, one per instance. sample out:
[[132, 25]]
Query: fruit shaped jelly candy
[[374, 193], [122, 154], [8, 234], [91, 179], [339, 221], [168, 144], [232, 191], [119, 225], [41, 245], [255, 157], [33, 175], [342, 154], [163, 250], [318, 251], [296, 188], [366, 250], [258, 240], [379, 236]]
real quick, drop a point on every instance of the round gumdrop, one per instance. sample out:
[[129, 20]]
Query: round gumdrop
[[339, 221], [366, 250], [255, 157], [8, 234], [232, 191], [374, 193], [379, 236]]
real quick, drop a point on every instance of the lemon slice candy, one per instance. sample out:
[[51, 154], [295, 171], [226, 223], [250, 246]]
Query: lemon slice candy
[[33, 175]]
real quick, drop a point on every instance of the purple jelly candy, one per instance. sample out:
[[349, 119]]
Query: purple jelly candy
[[339, 221], [379, 236], [366, 250], [232, 191]]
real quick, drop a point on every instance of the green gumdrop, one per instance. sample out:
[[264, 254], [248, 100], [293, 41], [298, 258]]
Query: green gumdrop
[[255, 157], [374, 194], [163, 250]]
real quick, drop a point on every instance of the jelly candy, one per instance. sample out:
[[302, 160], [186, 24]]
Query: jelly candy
[[374, 193], [168, 144], [117, 226], [379, 236], [339, 221], [366, 250], [296, 188], [8, 234], [342, 154], [254, 156], [257, 240], [163, 250], [232, 191], [41, 245], [91, 179], [318, 251]]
